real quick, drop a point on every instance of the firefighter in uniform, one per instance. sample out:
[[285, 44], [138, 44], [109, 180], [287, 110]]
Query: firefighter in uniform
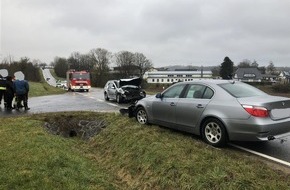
[[2, 90]]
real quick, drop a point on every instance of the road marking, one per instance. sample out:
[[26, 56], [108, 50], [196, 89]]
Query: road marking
[[100, 100], [113, 104], [262, 155]]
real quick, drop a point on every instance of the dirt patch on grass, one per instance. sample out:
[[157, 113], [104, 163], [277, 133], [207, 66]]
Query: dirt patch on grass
[[69, 126]]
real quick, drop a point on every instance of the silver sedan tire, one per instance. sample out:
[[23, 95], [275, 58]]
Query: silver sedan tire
[[214, 133], [141, 116]]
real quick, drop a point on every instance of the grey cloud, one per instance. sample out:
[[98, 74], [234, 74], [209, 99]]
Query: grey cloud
[[167, 32]]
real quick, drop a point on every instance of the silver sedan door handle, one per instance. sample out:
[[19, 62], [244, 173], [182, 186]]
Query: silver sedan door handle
[[199, 106], [172, 104]]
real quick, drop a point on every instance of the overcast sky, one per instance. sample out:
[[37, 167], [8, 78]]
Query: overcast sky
[[168, 32]]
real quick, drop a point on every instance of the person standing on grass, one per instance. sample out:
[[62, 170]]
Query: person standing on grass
[[21, 91]]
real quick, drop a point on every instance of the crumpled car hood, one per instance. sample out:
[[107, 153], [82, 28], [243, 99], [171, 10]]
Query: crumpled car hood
[[130, 87], [128, 82]]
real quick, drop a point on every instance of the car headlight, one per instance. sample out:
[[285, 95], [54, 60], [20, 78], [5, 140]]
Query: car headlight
[[121, 91]]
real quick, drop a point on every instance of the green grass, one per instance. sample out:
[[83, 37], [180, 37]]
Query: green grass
[[32, 159], [55, 76], [125, 155], [43, 89]]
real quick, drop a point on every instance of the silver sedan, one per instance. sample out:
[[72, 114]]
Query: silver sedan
[[218, 110]]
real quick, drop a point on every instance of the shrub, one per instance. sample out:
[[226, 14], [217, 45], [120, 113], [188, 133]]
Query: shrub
[[281, 88]]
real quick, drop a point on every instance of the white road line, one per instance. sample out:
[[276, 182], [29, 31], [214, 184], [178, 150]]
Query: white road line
[[262, 155], [101, 100]]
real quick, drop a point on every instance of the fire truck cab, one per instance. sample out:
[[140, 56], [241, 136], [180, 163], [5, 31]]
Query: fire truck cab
[[78, 80]]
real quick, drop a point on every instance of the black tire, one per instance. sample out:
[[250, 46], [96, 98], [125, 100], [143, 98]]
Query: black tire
[[214, 132], [106, 97], [144, 94], [119, 99], [141, 116]]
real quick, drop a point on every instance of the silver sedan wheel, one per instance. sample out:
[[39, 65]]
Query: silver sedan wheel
[[141, 116], [213, 132]]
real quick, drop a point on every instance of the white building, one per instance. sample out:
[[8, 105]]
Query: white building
[[167, 77]]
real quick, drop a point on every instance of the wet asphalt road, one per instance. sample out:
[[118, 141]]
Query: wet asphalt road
[[69, 101], [276, 149], [48, 77], [94, 101]]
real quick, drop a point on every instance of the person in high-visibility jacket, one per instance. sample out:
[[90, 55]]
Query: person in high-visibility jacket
[[2, 89]]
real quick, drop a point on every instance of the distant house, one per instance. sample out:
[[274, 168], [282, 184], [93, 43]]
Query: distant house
[[269, 78], [168, 77], [284, 77], [248, 75]]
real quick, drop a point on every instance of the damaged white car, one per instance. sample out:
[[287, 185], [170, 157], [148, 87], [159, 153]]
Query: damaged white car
[[124, 90]]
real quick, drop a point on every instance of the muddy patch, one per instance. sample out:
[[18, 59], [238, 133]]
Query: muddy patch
[[73, 127]]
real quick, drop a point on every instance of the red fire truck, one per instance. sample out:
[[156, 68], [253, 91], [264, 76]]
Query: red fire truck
[[78, 80]]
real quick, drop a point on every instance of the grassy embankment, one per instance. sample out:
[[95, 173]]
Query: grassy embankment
[[55, 76], [125, 155], [43, 88]]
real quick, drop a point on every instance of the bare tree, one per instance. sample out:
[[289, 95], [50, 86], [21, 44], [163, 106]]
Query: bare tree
[[74, 61], [271, 68], [244, 64], [80, 61], [60, 66], [7, 60], [125, 64], [86, 62], [100, 58], [255, 64], [143, 64], [30, 71]]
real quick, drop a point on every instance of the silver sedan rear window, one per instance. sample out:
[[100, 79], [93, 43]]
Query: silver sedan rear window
[[241, 90]]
